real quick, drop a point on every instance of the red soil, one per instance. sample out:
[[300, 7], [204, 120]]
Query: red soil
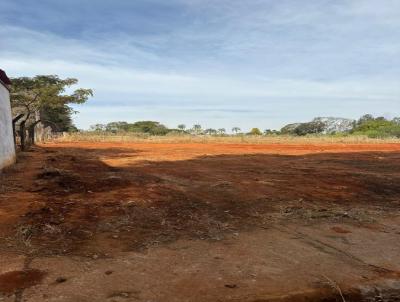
[[98, 200]]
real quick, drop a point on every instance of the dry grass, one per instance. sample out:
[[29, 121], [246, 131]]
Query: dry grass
[[335, 286], [186, 138]]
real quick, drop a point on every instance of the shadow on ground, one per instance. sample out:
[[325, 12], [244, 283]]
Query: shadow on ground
[[87, 206]]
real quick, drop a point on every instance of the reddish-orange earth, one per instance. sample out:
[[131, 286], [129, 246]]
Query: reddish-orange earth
[[201, 222]]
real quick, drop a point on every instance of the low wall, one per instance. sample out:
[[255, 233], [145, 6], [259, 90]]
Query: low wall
[[7, 148]]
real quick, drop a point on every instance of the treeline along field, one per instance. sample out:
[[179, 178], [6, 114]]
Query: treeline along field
[[367, 126]]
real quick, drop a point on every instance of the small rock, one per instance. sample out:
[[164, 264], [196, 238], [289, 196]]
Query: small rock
[[108, 272], [231, 285], [61, 279]]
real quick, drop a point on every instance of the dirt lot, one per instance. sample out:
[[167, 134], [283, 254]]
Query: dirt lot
[[201, 222]]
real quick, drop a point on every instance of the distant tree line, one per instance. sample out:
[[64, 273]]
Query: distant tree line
[[150, 127], [368, 125], [378, 127]]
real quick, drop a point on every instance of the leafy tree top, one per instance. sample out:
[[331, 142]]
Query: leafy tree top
[[33, 93], [255, 131]]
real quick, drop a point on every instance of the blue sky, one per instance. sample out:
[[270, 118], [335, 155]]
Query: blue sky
[[220, 63]]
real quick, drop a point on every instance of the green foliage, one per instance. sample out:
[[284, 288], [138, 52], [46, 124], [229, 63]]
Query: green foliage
[[197, 129], [210, 131], [271, 132], [149, 127], [236, 130], [302, 129], [365, 118], [98, 127], [117, 126], [221, 131], [309, 128], [46, 90], [44, 97], [58, 117], [367, 125], [255, 131], [377, 127], [290, 129]]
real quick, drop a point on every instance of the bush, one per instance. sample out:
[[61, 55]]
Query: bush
[[309, 128], [377, 127], [147, 127], [255, 131]]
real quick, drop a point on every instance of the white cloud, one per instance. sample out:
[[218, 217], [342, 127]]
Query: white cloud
[[289, 57], [111, 83]]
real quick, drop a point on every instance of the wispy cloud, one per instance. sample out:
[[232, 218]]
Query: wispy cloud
[[259, 62]]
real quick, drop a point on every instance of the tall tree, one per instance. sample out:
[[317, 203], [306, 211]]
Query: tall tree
[[221, 131], [197, 129], [43, 98], [236, 130], [210, 131], [255, 131]]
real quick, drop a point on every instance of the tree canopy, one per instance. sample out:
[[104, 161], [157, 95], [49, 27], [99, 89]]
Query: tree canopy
[[150, 127], [255, 131], [377, 127], [45, 98]]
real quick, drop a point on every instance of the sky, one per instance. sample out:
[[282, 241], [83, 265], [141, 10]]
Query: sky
[[218, 63]]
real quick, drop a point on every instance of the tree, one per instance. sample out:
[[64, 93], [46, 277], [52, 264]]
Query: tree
[[377, 128], [365, 118], [98, 127], [14, 122], [117, 126], [313, 127], [221, 131], [197, 129], [43, 98], [150, 127], [58, 117], [268, 132], [255, 131], [210, 131], [182, 127], [236, 130], [290, 129]]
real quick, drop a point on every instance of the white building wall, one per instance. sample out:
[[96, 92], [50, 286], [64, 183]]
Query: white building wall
[[7, 149]]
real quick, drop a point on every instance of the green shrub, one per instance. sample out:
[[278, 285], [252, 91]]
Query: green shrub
[[377, 128], [255, 131]]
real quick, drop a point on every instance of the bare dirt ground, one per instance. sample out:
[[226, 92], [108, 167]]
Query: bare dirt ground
[[201, 222]]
